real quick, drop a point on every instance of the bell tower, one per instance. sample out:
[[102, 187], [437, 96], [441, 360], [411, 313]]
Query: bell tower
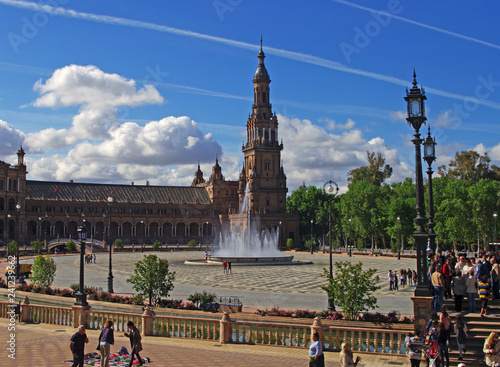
[[262, 152]]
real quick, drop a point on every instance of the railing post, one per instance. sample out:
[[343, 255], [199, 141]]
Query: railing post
[[81, 316], [25, 310], [147, 322], [318, 327], [225, 329]]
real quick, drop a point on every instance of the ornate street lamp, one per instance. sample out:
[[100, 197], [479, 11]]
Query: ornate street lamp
[[416, 117], [80, 295], [110, 273], [280, 239], [18, 209], [330, 188], [399, 237], [495, 215], [142, 244], [430, 156], [349, 244], [312, 243]]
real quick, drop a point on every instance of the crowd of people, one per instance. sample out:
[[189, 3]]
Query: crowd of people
[[457, 278], [401, 279]]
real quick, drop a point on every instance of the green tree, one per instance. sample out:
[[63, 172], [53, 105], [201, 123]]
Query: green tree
[[119, 243], [364, 211], [192, 244], [401, 203], [470, 166], [152, 279], [311, 203], [12, 247], [483, 201], [36, 246], [456, 211], [157, 245], [376, 172], [351, 288], [70, 246], [289, 244], [43, 271]]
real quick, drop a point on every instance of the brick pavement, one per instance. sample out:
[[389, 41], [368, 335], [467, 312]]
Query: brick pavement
[[47, 346]]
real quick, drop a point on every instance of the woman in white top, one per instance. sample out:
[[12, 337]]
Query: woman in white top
[[316, 356]]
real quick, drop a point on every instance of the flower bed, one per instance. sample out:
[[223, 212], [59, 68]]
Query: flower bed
[[376, 317]]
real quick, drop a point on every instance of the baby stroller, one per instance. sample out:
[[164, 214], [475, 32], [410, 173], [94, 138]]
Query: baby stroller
[[432, 354]]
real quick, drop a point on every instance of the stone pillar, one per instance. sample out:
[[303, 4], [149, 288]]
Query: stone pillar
[[25, 310], [81, 316], [225, 329], [317, 327], [422, 311], [147, 322]]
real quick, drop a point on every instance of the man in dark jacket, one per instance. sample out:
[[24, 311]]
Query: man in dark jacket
[[135, 343]]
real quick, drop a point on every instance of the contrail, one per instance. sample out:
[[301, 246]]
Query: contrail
[[406, 20], [296, 56]]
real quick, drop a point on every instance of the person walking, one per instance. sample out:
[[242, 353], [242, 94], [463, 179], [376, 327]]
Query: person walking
[[438, 283], [484, 289], [414, 347], [77, 346], [135, 343], [445, 318], [442, 338], [461, 331], [224, 265], [347, 357], [495, 276], [390, 277], [106, 340], [316, 356], [459, 290], [229, 266], [471, 289], [491, 350]]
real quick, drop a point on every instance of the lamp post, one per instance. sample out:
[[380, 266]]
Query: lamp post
[[312, 243], [280, 239], [330, 188], [429, 157], [416, 117], [110, 273], [495, 215], [18, 209], [142, 243], [399, 237], [81, 297], [349, 244], [207, 235], [45, 233]]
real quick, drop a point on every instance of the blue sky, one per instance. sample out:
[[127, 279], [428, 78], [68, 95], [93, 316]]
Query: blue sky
[[122, 91]]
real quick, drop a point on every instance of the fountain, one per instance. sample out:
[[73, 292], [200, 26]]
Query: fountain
[[249, 243]]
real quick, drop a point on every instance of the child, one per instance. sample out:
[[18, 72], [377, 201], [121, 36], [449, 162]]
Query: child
[[461, 330], [484, 289]]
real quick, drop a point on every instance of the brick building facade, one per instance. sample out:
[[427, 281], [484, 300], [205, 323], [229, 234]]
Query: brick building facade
[[139, 214]]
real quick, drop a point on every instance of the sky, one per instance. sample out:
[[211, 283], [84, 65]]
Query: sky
[[128, 91]]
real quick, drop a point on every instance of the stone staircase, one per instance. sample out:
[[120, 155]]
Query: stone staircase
[[479, 329]]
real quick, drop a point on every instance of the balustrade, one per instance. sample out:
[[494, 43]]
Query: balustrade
[[364, 340]]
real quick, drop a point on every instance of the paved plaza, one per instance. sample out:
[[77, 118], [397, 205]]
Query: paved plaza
[[288, 287], [47, 346]]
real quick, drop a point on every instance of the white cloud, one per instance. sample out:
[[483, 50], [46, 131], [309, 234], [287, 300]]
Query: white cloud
[[10, 138], [398, 115], [313, 155], [97, 94]]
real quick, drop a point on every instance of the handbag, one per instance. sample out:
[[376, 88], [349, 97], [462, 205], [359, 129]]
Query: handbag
[[98, 347]]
